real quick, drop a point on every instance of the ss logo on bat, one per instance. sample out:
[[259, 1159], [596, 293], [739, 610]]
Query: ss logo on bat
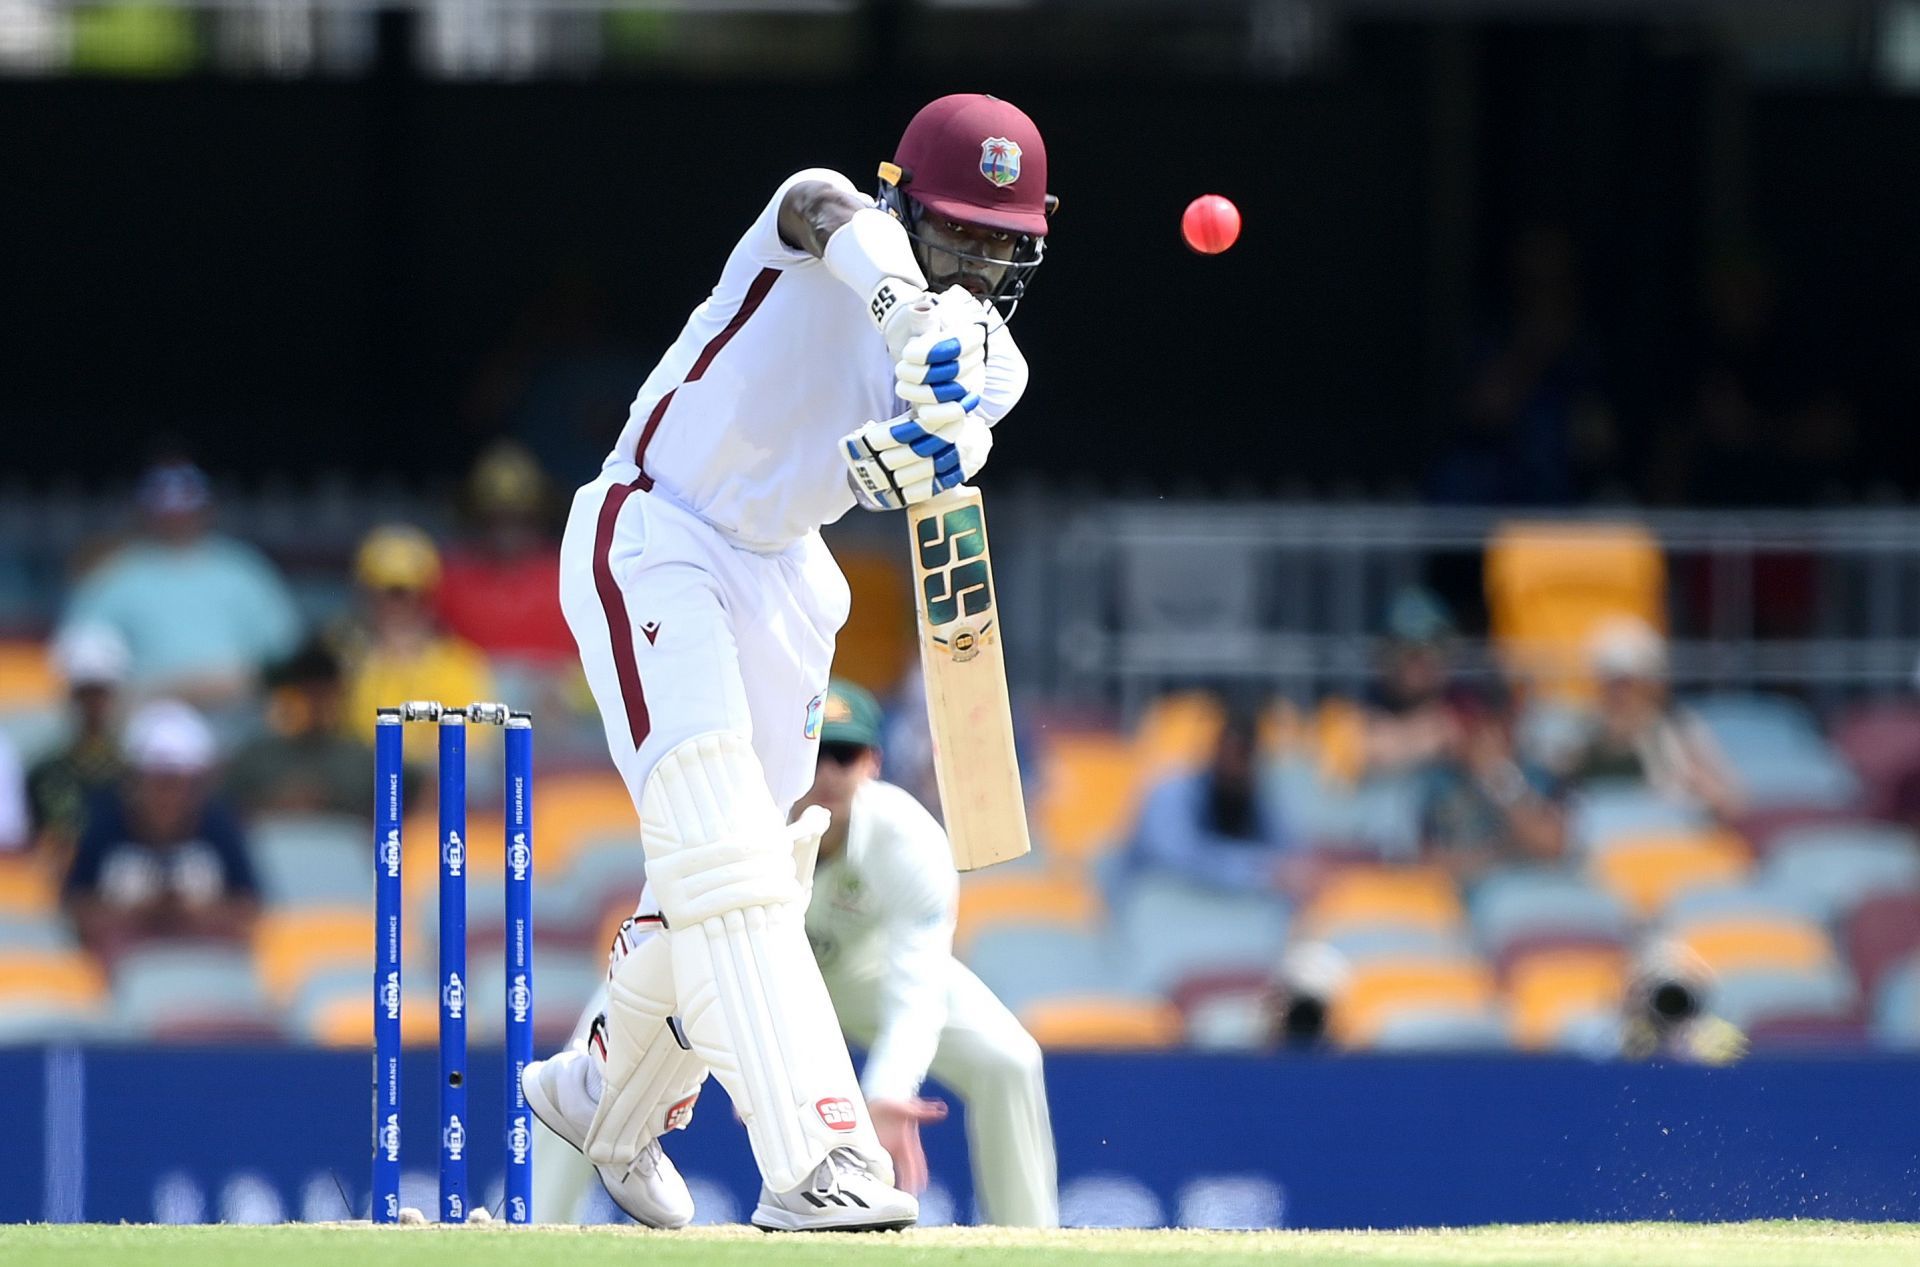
[[958, 582]]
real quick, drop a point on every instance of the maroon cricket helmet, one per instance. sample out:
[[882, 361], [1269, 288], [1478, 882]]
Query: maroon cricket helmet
[[979, 160]]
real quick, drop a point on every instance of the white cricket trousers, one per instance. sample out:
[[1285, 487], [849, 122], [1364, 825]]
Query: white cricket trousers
[[994, 1066], [682, 632]]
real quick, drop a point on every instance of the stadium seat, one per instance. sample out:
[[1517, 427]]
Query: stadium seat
[[1358, 943], [1166, 929], [1102, 1024], [290, 946], [1896, 1005], [1367, 897], [1832, 869], [1749, 997], [313, 859], [1606, 811], [1882, 743], [335, 1009], [167, 984], [31, 729], [1551, 585], [1881, 932], [1023, 964], [1441, 1029], [27, 676], [1817, 780], [1747, 726], [562, 985], [1731, 944], [1177, 732], [1522, 902], [1550, 991], [27, 889], [571, 810], [1381, 812], [57, 979], [49, 1021], [42, 933], [1089, 790], [1054, 897], [1376, 991], [1647, 872], [1227, 1011]]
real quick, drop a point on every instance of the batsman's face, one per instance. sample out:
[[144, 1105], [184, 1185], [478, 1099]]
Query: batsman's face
[[956, 254]]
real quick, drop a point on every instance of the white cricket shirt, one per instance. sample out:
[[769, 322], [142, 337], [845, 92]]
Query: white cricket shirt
[[741, 420]]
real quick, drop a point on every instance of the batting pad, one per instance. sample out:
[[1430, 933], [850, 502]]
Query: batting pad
[[651, 1080], [750, 996]]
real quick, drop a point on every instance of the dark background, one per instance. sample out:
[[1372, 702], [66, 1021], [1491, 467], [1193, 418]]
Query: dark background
[[379, 273]]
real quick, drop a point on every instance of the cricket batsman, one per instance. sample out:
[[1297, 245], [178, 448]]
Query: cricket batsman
[[881, 922], [853, 350]]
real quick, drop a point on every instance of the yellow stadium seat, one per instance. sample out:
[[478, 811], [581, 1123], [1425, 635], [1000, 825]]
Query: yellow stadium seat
[[1647, 872], [1340, 740], [1089, 790], [1551, 585], [1103, 1024], [568, 811], [1178, 732], [1550, 987], [1419, 897], [1378, 989], [290, 946], [29, 977], [27, 677], [347, 1021], [1737, 943], [27, 888], [877, 644], [1057, 898]]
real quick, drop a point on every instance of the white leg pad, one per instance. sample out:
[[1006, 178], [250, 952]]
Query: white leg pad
[[651, 1081], [721, 863]]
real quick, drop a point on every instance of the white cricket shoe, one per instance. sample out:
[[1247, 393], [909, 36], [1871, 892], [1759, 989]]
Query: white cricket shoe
[[841, 1197], [651, 1189]]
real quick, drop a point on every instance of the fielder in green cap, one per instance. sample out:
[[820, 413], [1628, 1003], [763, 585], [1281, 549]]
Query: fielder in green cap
[[881, 918]]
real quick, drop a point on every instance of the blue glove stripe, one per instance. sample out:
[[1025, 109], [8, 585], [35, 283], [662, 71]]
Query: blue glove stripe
[[944, 482], [918, 438], [945, 350], [947, 392], [947, 464], [945, 372], [853, 451]]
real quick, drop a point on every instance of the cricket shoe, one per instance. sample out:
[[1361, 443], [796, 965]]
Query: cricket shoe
[[841, 1197], [650, 1189]]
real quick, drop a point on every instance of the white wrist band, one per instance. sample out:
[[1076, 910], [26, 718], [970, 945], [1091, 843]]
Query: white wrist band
[[873, 255]]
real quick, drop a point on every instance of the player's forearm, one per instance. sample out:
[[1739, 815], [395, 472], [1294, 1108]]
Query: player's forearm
[[913, 1011]]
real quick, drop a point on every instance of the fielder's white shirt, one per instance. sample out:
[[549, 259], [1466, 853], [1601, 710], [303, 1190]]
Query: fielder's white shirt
[[881, 920], [741, 420]]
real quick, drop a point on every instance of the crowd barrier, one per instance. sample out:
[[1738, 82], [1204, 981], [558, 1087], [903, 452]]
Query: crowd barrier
[[189, 1135]]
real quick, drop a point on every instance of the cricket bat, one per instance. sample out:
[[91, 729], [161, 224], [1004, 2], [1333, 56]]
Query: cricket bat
[[968, 710]]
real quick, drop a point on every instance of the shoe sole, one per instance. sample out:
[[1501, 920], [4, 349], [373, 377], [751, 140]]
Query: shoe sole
[[771, 1219], [551, 1118]]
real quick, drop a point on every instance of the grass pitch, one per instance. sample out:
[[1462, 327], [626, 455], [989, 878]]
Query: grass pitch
[[1794, 1244]]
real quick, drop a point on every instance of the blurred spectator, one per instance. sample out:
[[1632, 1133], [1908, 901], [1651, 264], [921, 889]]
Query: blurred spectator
[[399, 653], [1408, 722], [501, 589], [307, 762], [15, 824], [93, 659], [1536, 428], [1480, 807], [200, 613], [1217, 826], [158, 858], [1638, 733]]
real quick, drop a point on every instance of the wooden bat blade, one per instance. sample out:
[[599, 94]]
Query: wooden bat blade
[[961, 653]]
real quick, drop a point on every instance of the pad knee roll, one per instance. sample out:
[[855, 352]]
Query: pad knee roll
[[712, 832]]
